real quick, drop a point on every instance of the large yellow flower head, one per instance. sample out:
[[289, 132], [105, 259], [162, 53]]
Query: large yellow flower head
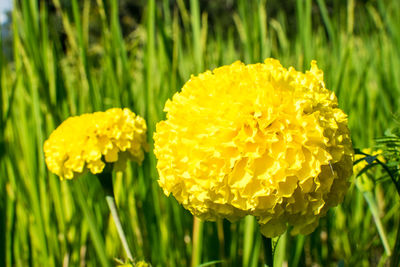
[[257, 140], [89, 141]]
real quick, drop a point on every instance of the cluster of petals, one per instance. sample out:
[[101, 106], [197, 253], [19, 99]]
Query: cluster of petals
[[257, 140], [89, 141]]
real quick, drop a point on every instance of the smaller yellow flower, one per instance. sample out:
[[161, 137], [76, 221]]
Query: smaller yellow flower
[[137, 264], [142, 264], [89, 141]]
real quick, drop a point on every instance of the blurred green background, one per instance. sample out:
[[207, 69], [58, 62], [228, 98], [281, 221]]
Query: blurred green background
[[63, 58]]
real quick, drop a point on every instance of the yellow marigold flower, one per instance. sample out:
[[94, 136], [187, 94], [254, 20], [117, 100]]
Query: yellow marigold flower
[[142, 264], [137, 264], [256, 139], [89, 141]]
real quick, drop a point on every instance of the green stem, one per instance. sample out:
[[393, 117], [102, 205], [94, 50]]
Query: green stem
[[248, 239], [268, 255], [197, 241], [113, 208], [221, 239], [106, 182]]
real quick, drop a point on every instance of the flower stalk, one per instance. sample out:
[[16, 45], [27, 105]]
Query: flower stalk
[[106, 182], [197, 241], [364, 161]]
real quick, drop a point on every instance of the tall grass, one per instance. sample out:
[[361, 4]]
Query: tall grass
[[47, 222]]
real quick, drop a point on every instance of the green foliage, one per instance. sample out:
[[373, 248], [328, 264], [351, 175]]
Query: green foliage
[[90, 63], [390, 144]]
